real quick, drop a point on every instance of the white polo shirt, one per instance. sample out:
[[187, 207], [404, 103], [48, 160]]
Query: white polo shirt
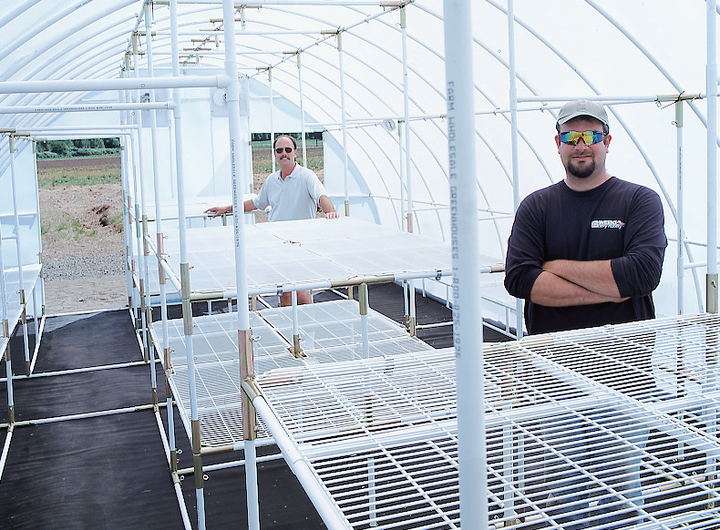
[[296, 197]]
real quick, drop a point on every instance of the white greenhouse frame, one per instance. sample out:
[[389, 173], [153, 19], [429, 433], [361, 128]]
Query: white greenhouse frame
[[431, 150]]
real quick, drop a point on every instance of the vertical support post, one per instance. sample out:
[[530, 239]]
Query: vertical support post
[[141, 218], [9, 376], [243, 314], [147, 308], [272, 120], [296, 350], [158, 208], [185, 286], [6, 335], [514, 142], [363, 302], [680, 210], [343, 110], [39, 290], [406, 112], [302, 111], [18, 249], [171, 428], [403, 178], [137, 257], [126, 199], [247, 373], [710, 411], [711, 285], [467, 316]]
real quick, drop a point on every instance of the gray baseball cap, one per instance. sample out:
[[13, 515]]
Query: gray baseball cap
[[583, 107]]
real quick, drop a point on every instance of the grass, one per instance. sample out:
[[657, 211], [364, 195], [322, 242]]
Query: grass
[[78, 176]]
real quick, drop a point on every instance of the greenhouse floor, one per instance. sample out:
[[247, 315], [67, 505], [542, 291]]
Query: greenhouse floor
[[106, 467]]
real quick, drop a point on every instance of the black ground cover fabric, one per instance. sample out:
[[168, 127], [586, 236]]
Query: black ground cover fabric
[[110, 471]]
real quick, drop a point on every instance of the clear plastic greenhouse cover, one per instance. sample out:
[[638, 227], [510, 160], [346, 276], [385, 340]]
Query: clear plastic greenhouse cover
[[346, 59], [370, 77]]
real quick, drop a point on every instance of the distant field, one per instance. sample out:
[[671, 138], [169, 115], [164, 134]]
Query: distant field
[[53, 172]]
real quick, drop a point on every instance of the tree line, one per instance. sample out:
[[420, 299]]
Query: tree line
[[78, 147], [111, 146]]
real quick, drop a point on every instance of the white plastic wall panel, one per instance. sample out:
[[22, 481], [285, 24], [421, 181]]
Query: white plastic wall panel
[[26, 199]]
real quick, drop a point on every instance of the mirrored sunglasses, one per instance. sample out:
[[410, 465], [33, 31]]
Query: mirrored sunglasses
[[588, 137]]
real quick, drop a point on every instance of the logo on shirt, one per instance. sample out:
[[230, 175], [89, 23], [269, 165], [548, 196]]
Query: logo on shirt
[[607, 223]]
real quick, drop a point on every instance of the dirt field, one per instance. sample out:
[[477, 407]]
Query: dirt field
[[49, 163]]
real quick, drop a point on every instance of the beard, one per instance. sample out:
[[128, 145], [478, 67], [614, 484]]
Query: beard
[[581, 172]]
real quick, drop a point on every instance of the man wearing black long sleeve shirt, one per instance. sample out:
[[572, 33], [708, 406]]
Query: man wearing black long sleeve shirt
[[588, 250], [584, 252]]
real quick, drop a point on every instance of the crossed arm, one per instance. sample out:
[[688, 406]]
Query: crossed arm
[[566, 283]]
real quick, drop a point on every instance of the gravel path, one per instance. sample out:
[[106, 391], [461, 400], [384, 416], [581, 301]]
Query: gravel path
[[84, 267]]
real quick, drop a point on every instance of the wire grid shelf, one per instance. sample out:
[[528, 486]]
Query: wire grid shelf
[[304, 252], [330, 333], [612, 427]]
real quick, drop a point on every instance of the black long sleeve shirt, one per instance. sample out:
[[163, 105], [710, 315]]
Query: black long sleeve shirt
[[618, 220]]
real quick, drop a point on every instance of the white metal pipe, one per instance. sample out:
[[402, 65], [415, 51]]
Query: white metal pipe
[[323, 504], [9, 378], [6, 449], [467, 315], [272, 119], [237, 463], [18, 248], [712, 92], [125, 186], [178, 489], [136, 172], [36, 321], [102, 107], [117, 130], [302, 111], [95, 85], [187, 307], [295, 318], [171, 275], [130, 198], [514, 139], [3, 286], [156, 186], [236, 168], [401, 164], [321, 3], [343, 111], [140, 219], [680, 210], [406, 112], [363, 306], [84, 370]]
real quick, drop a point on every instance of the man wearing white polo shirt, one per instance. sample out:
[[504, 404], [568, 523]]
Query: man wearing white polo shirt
[[294, 192]]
